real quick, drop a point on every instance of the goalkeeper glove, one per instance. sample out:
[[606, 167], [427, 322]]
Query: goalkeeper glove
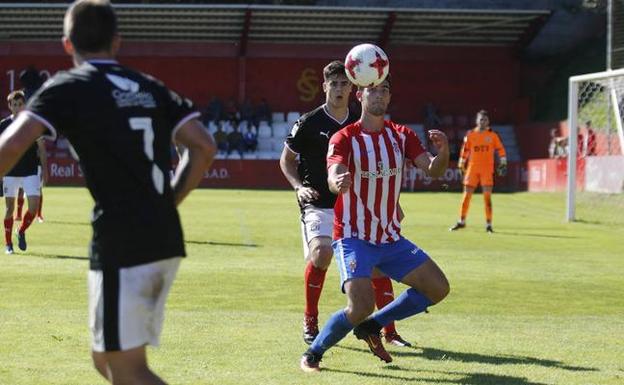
[[461, 165], [501, 170]]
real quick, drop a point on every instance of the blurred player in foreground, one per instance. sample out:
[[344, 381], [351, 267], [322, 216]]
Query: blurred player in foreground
[[476, 160], [365, 164], [308, 140], [23, 176], [121, 124]]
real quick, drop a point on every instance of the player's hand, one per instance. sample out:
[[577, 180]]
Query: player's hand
[[439, 140], [501, 170], [343, 182], [461, 166], [306, 194]]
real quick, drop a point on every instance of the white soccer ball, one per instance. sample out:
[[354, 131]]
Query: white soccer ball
[[367, 65]]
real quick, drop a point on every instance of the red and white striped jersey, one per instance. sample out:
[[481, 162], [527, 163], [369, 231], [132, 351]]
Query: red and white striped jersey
[[368, 211]]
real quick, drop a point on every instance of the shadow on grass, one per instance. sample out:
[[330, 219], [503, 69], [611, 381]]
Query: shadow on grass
[[535, 235], [434, 354], [211, 243], [43, 255], [466, 378]]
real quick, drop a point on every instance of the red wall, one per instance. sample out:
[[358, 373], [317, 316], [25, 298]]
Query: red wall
[[458, 80]]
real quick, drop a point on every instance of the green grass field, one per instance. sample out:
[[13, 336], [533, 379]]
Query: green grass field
[[539, 302]]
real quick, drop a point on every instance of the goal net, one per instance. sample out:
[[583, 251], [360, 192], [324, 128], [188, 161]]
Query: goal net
[[595, 188]]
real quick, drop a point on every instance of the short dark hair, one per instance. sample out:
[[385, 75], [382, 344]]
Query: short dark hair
[[90, 25], [15, 95], [334, 68], [483, 113]]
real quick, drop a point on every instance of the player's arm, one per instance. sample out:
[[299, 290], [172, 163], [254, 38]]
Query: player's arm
[[16, 139], [464, 153], [43, 157], [434, 166], [338, 178], [501, 170], [198, 156], [288, 164]]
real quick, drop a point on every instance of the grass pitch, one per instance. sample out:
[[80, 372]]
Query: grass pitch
[[538, 302]]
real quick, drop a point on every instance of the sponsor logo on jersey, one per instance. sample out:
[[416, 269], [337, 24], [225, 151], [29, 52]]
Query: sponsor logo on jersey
[[127, 94], [381, 172]]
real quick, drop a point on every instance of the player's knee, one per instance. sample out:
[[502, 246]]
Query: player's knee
[[321, 256], [357, 312], [442, 290]]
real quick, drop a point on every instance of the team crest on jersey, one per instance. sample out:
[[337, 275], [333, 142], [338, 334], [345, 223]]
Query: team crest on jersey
[[396, 147], [488, 139]]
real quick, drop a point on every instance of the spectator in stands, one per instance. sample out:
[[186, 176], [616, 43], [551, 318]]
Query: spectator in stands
[[263, 113], [214, 111], [250, 139], [558, 145], [235, 142], [590, 149], [231, 112], [221, 139], [247, 113]]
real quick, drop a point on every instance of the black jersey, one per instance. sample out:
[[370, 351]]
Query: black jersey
[[310, 139], [29, 163], [120, 123]]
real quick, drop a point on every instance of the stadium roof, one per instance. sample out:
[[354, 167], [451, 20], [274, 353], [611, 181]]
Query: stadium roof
[[243, 24]]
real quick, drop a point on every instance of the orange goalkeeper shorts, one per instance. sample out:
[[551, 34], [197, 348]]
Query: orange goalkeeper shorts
[[476, 178]]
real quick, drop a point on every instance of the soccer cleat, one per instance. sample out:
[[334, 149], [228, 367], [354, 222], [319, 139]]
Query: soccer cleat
[[396, 340], [9, 249], [310, 362], [368, 331], [21, 241], [489, 229], [457, 226], [310, 329], [39, 219]]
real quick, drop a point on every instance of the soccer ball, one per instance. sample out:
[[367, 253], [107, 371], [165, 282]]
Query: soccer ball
[[367, 65]]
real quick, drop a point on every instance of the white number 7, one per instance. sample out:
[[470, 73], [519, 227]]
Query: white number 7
[[145, 125]]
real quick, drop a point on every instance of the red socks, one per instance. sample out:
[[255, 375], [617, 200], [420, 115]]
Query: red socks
[[20, 205], [26, 221], [313, 280], [8, 229], [384, 294], [40, 207]]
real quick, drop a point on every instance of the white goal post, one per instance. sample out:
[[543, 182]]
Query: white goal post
[[597, 101]]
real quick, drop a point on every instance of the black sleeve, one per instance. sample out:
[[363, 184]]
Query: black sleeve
[[296, 138], [51, 104], [179, 109]]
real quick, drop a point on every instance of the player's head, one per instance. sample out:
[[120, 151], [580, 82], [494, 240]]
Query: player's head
[[90, 27], [375, 99], [16, 101], [336, 85], [483, 120]]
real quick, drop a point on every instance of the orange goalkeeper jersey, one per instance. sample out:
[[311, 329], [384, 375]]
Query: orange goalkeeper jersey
[[478, 150]]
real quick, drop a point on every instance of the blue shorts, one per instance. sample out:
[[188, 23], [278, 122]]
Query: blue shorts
[[356, 258]]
